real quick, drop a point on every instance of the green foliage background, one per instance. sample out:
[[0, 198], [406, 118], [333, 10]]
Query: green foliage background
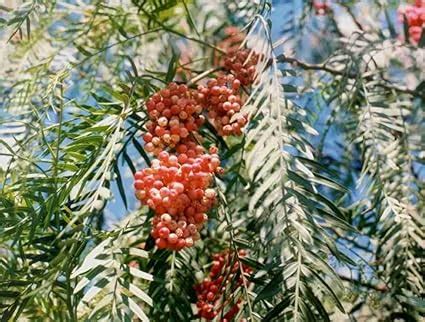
[[325, 189]]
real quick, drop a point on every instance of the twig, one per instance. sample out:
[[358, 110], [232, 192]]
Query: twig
[[377, 287], [352, 15], [335, 24], [115, 44], [172, 270], [385, 84], [202, 75], [180, 34]]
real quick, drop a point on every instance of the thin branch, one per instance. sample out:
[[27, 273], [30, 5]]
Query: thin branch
[[377, 287], [234, 246], [204, 74], [335, 25], [323, 67], [180, 34], [115, 44], [352, 15]]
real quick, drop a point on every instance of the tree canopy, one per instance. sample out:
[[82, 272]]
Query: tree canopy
[[230, 160]]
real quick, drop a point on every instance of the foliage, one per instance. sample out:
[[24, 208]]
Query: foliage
[[324, 189]]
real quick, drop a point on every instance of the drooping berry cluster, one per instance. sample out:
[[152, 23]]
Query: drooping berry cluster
[[209, 292], [414, 17], [176, 188], [174, 113], [242, 64], [222, 98]]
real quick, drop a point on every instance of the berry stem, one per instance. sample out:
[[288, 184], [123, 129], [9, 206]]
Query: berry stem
[[204, 74], [173, 260]]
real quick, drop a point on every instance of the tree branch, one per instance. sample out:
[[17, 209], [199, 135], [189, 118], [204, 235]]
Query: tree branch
[[202, 75], [352, 15], [377, 287], [323, 67]]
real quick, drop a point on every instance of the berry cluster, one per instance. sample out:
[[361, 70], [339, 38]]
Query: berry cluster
[[223, 96], [176, 187], [230, 44], [209, 291], [242, 64], [222, 99], [414, 16], [174, 113]]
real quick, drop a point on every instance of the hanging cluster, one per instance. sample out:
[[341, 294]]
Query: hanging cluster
[[223, 96], [177, 186], [230, 44], [210, 290], [174, 113], [414, 17], [242, 64], [222, 99]]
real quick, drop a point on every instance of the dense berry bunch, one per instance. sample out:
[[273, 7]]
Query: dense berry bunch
[[242, 63], [415, 19], [210, 290], [177, 189], [222, 96], [174, 113], [177, 185], [222, 99]]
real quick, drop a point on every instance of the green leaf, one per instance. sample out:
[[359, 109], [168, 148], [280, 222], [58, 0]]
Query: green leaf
[[120, 185], [82, 50], [140, 294], [190, 19], [133, 66], [251, 262], [277, 310], [28, 22], [271, 289], [418, 303], [330, 290], [137, 310], [172, 67], [141, 150], [287, 88], [406, 28], [11, 294], [129, 162], [311, 297]]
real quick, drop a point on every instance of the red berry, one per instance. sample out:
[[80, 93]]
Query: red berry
[[161, 243], [164, 232], [173, 238]]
